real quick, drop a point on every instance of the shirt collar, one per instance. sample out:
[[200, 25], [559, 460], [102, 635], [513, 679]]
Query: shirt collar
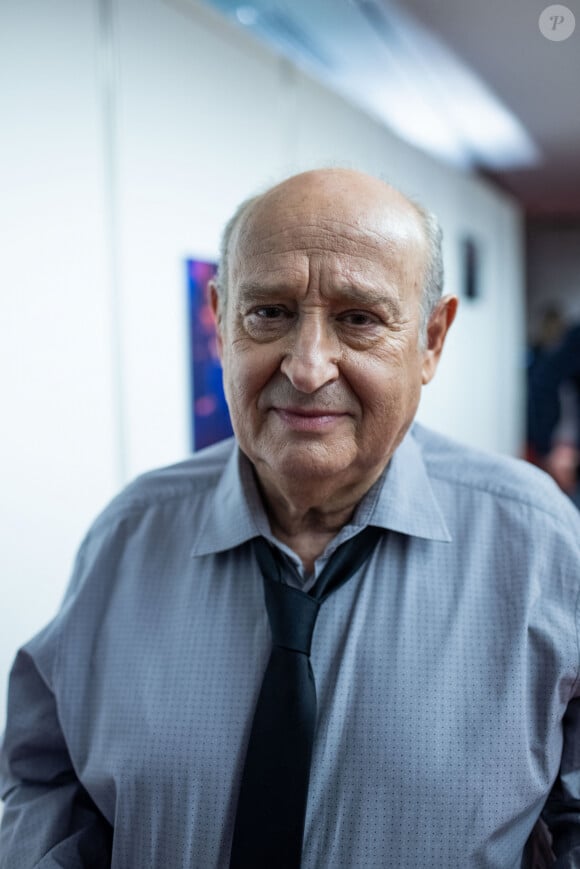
[[407, 502], [401, 500], [236, 513]]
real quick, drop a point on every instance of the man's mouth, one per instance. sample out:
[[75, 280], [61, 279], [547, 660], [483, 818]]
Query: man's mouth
[[311, 419]]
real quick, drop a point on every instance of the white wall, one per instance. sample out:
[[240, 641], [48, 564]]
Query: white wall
[[58, 435], [108, 191]]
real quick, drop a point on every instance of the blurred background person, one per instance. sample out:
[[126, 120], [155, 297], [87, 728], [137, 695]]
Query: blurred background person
[[554, 402]]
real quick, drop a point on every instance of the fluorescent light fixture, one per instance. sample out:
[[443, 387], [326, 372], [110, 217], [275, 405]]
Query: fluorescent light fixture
[[247, 15], [382, 59], [436, 102]]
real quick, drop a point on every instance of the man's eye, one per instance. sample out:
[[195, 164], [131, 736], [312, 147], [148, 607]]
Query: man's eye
[[270, 312], [359, 318], [268, 319]]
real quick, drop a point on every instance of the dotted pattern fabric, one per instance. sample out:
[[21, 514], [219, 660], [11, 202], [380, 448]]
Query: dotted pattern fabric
[[446, 672]]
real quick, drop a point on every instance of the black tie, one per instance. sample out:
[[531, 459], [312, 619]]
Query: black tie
[[272, 804]]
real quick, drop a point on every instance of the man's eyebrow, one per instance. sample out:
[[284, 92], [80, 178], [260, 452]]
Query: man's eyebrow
[[367, 297], [252, 294]]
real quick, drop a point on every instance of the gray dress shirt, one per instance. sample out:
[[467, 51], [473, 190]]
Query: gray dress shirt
[[447, 673]]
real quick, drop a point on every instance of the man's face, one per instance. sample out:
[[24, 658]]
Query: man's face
[[319, 339]]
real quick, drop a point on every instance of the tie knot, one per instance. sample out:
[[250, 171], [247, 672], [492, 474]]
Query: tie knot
[[292, 614]]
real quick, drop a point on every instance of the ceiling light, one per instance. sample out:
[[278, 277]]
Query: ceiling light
[[247, 15]]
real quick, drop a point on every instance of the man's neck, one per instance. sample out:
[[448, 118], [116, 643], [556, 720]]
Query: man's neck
[[309, 539], [307, 520]]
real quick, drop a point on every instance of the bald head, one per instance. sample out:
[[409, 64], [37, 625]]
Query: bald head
[[337, 196]]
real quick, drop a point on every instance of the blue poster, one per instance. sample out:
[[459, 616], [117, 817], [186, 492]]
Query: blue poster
[[210, 419]]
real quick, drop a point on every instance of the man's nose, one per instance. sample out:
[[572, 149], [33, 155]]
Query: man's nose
[[312, 357]]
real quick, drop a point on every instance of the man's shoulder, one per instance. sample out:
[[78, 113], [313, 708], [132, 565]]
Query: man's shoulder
[[162, 508], [502, 477], [193, 480]]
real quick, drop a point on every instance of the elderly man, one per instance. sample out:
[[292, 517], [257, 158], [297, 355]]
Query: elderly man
[[335, 640]]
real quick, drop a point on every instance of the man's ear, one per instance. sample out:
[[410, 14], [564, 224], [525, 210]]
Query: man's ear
[[440, 321], [216, 304]]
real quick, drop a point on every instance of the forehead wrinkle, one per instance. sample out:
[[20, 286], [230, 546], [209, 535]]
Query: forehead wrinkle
[[305, 238], [360, 230], [323, 236]]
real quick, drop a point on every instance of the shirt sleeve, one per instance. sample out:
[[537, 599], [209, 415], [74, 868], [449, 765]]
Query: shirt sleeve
[[49, 820], [562, 810], [561, 813]]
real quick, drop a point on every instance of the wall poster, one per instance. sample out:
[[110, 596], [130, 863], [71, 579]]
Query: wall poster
[[210, 420]]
